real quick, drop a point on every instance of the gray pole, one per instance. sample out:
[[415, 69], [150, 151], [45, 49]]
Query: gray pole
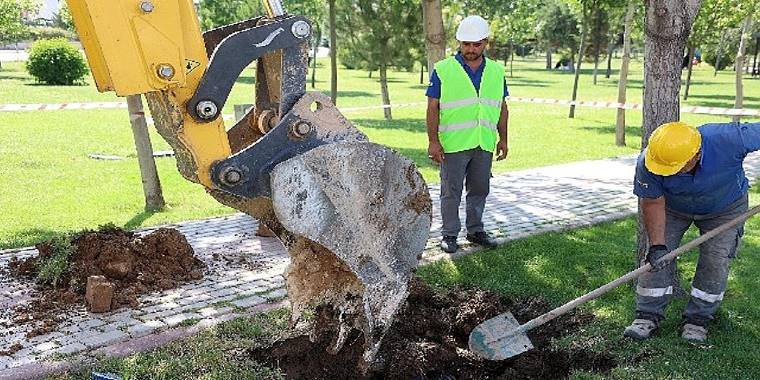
[[154, 199]]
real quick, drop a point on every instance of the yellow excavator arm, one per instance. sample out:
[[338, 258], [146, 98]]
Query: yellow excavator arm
[[136, 47], [353, 215]]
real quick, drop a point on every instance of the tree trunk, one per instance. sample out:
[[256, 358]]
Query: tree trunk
[[333, 55], [318, 35], [549, 58], [571, 64], [720, 53], [623, 80], [154, 199], [422, 74], [584, 28], [597, 42], [610, 49], [435, 38], [755, 67], [384, 91], [511, 59], [746, 29], [690, 57], [596, 65], [667, 27]]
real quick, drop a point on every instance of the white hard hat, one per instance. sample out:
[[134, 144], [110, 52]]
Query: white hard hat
[[473, 29]]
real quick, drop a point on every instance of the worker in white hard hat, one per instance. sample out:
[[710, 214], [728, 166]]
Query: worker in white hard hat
[[467, 124]]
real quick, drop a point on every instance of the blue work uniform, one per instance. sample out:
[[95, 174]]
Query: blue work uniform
[[715, 193], [472, 165]]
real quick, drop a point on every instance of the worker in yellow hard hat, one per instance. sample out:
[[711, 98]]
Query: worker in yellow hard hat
[[688, 176]]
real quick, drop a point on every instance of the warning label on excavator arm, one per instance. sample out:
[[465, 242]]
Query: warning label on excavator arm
[[190, 65]]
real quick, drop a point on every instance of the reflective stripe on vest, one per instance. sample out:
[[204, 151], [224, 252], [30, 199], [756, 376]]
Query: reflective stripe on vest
[[468, 118]]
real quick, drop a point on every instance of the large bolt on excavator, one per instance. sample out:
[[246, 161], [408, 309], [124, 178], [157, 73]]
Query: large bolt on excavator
[[353, 215]]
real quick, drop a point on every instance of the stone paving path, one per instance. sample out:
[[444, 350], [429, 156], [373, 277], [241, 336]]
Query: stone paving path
[[246, 271]]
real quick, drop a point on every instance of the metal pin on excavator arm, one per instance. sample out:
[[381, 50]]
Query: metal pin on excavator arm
[[353, 215]]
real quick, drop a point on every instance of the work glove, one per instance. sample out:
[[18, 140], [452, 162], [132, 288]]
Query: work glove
[[656, 252]]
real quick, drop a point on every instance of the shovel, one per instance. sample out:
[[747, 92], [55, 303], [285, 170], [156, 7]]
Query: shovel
[[502, 337]]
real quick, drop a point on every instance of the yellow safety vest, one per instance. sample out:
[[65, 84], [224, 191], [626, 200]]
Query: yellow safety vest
[[468, 118]]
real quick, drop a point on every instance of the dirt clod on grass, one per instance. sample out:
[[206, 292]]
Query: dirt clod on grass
[[428, 340], [135, 265]]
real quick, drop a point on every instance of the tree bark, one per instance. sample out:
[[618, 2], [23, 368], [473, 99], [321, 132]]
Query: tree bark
[[597, 42], [318, 35], [667, 27], [623, 80], [435, 37], [720, 53], [739, 101], [511, 59], [384, 92], [755, 67], [580, 61], [690, 57], [333, 54], [610, 49], [154, 199], [549, 58]]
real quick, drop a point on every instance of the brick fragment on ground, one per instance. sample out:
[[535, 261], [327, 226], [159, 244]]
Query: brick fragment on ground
[[99, 294]]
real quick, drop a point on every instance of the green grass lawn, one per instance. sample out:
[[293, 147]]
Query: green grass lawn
[[50, 186], [554, 266]]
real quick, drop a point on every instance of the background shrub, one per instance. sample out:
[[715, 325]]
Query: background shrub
[[56, 62]]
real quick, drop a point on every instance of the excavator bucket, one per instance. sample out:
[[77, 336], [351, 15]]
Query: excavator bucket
[[368, 211]]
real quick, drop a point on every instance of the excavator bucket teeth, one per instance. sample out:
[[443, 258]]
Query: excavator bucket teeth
[[361, 214]]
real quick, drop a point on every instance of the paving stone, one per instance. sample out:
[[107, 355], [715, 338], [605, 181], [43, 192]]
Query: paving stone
[[91, 322], [175, 320], [104, 339], [47, 346], [275, 295], [72, 348], [146, 328], [249, 302], [215, 311], [44, 338], [5, 361]]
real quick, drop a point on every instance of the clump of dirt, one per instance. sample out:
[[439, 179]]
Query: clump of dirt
[[135, 265], [428, 340]]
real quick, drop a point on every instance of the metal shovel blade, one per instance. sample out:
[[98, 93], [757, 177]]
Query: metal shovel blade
[[499, 338]]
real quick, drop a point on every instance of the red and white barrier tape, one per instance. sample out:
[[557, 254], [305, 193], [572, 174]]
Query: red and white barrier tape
[[579, 103], [61, 106]]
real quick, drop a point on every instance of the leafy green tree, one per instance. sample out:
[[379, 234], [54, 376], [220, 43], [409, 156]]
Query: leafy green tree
[[557, 28], [216, 13], [379, 33], [12, 14], [63, 19]]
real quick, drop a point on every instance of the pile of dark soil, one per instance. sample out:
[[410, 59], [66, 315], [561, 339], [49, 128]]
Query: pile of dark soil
[[428, 340], [135, 265]]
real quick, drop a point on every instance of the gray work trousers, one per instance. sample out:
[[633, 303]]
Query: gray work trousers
[[473, 168], [654, 290]]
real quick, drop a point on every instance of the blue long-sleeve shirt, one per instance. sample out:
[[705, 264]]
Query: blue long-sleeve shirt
[[719, 179]]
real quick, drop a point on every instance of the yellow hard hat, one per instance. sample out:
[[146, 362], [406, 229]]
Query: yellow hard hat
[[670, 147]]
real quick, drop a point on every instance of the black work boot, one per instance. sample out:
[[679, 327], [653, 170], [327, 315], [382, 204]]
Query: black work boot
[[449, 244], [481, 238]]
